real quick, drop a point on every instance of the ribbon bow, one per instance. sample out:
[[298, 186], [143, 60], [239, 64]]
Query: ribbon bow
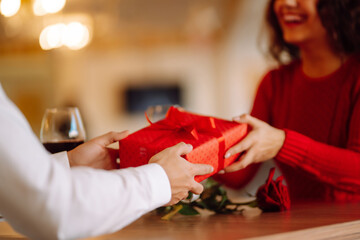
[[173, 122]]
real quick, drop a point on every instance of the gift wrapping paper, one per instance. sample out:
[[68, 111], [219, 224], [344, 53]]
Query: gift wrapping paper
[[210, 137]]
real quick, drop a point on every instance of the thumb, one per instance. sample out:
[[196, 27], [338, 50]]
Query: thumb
[[202, 169]]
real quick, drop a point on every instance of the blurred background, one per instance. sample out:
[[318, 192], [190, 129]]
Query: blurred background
[[113, 58]]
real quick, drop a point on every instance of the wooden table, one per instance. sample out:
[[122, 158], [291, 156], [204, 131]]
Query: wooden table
[[304, 221]]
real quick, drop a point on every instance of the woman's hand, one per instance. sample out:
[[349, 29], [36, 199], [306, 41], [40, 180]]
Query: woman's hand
[[262, 143], [95, 154]]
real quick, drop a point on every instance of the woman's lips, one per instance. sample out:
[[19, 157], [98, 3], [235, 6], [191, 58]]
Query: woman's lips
[[292, 20]]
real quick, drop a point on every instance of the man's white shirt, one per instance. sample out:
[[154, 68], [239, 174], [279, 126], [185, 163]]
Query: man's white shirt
[[43, 198]]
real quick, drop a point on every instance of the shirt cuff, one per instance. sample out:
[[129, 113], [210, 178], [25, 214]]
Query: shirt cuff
[[159, 185], [62, 158]]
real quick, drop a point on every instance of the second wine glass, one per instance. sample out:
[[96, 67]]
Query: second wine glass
[[158, 112], [62, 129]]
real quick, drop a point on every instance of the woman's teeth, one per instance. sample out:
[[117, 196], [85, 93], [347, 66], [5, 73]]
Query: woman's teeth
[[292, 18]]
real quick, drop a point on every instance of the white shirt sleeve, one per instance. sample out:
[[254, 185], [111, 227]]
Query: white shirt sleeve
[[62, 158], [42, 199]]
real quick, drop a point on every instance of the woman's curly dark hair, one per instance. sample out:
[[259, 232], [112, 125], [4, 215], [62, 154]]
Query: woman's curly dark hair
[[341, 19]]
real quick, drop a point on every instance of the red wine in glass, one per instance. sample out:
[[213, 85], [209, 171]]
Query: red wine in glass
[[55, 147], [62, 129]]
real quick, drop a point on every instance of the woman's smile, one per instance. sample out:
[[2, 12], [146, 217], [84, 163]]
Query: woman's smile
[[300, 21], [291, 19]]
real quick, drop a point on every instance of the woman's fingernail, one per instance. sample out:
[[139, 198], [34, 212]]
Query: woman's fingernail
[[227, 155], [221, 172]]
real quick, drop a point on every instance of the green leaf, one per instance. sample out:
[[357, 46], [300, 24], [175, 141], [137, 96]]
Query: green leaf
[[209, 183], [200, 204], [223, 201], [190, 196], [188, 210], [213, 198], [222, 191], [254, 204], [211, 203], [164, 210]]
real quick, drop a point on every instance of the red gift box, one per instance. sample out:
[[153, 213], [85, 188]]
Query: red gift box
[[210, 137]]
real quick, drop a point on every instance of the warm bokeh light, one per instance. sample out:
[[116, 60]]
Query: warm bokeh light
[[74, 35], [9, 8], [53, 6], [38, 8], [77, 36], [52, 36], [42, 7]]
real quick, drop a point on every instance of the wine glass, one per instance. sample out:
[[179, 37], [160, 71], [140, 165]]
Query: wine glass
[[158, 112], [62, 129]]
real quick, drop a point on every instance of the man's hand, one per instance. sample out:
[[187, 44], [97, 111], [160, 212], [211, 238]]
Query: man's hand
[[180, 172], [95, 154]]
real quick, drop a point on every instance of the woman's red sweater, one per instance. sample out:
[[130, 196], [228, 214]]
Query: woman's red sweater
[[320, 158]]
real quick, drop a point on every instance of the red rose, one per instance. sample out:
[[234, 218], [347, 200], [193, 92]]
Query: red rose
[[273, 195]]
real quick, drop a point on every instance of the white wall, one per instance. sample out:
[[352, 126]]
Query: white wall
[[97, 78], [242, 63]]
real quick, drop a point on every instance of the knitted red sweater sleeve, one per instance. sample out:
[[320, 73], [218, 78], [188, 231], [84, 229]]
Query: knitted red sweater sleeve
[[336, 166], [339, 167]]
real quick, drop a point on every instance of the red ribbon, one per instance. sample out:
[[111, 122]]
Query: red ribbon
[[204, 125], [173, 122]]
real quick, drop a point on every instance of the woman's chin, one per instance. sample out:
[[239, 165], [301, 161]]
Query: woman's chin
[[294, 40]]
